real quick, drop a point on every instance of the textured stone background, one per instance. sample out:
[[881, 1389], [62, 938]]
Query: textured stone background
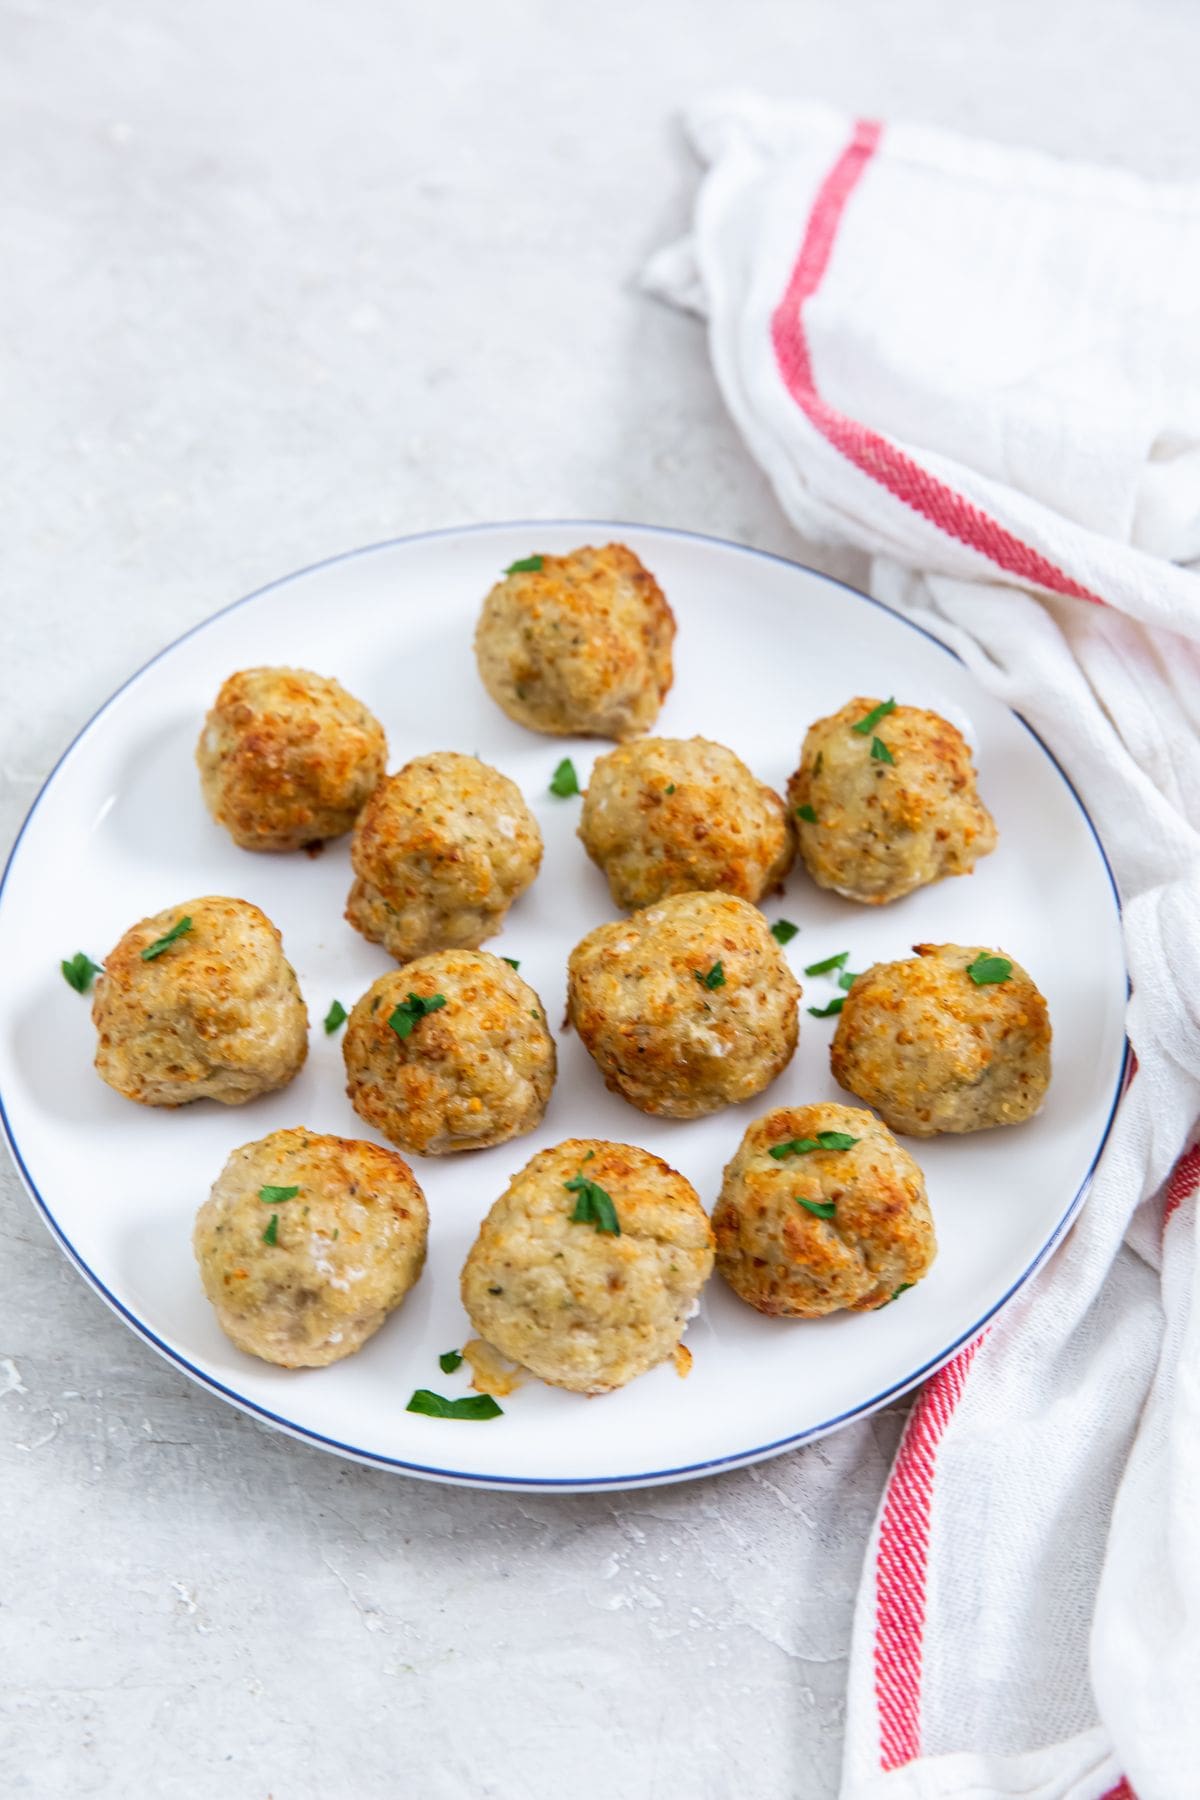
[[281, 279]]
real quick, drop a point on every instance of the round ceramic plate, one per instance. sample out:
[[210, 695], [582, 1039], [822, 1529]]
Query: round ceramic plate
[[764, 647]]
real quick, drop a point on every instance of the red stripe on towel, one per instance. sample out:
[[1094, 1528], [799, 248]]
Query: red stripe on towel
[[1185, 1176], [877, 456], [900, 1563]]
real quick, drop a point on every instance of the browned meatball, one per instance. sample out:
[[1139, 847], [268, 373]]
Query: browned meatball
[[821, 1209], [288, 758], [955, 1039], [578, 645], [884, 804], [199, 1003], [440, 853], [588, 1302], [687, 1006], [470, 1063], [675, 816], [307, 1243]]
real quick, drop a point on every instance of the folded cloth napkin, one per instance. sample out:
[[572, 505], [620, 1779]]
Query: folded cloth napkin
[[982, 367]]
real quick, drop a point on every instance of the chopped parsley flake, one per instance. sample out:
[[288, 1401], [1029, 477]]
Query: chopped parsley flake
[[593, 1206], [986, 970], [827, 1012], [511, 961], [79, 971], [824, 1140], [783, 931], [471, 1406], [564, 782], [831, 962], [670, 788], [271, 1234], [715, 977], [337, 1015], [164, 943], [902, 1289], [271, 1196], [450, 1360], [866, 725], [880, 751], [525, 565], [822, 1209], [847, 979], [411, 1011], [807, 813]]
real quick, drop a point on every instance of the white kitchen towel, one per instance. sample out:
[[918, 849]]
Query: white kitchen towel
[[982, 367]]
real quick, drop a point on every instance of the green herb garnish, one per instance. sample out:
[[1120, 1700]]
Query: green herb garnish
[[670, 788], [866, 725], [564, 782], [337, 1015], [783, 931], [847, 979], [270, 1235], [411, 1011], [715, 977], [593, 1206], [511, 961], [79, 971], [164, 943], [807, 813], [902, 1289], [827, 1012], [450, 1360], [824, 1140], [271, 1196], [525, 565], [988, 969], [831, 962], [822, 1209], [880, 751], [436, 1406]]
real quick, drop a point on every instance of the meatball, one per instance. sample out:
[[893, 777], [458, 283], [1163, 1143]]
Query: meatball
[[450, 1053], [954, 1040], [199, 1003], [440, 852], [674, 816], [578, 645], [307, 1243], [884, 801], [288, 758], [588, 1268], [820, 1209], [687, 1006]]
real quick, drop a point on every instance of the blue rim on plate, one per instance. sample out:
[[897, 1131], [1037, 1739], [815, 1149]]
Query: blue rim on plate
[[564, 1483]]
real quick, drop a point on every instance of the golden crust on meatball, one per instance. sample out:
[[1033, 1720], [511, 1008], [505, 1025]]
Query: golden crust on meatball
[[579, 646], [873, 824], [306, 1244], [440, 852], [685, 1007], [216, 1014], [474, 1070], [583, 1307], [836, 1218], [676, 816], [287, 758], [934, 1050]]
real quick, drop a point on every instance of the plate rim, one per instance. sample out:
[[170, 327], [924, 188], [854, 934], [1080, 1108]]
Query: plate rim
[[527, 1483]]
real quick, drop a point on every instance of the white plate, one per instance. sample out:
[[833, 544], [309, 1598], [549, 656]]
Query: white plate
[[764, 647]]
